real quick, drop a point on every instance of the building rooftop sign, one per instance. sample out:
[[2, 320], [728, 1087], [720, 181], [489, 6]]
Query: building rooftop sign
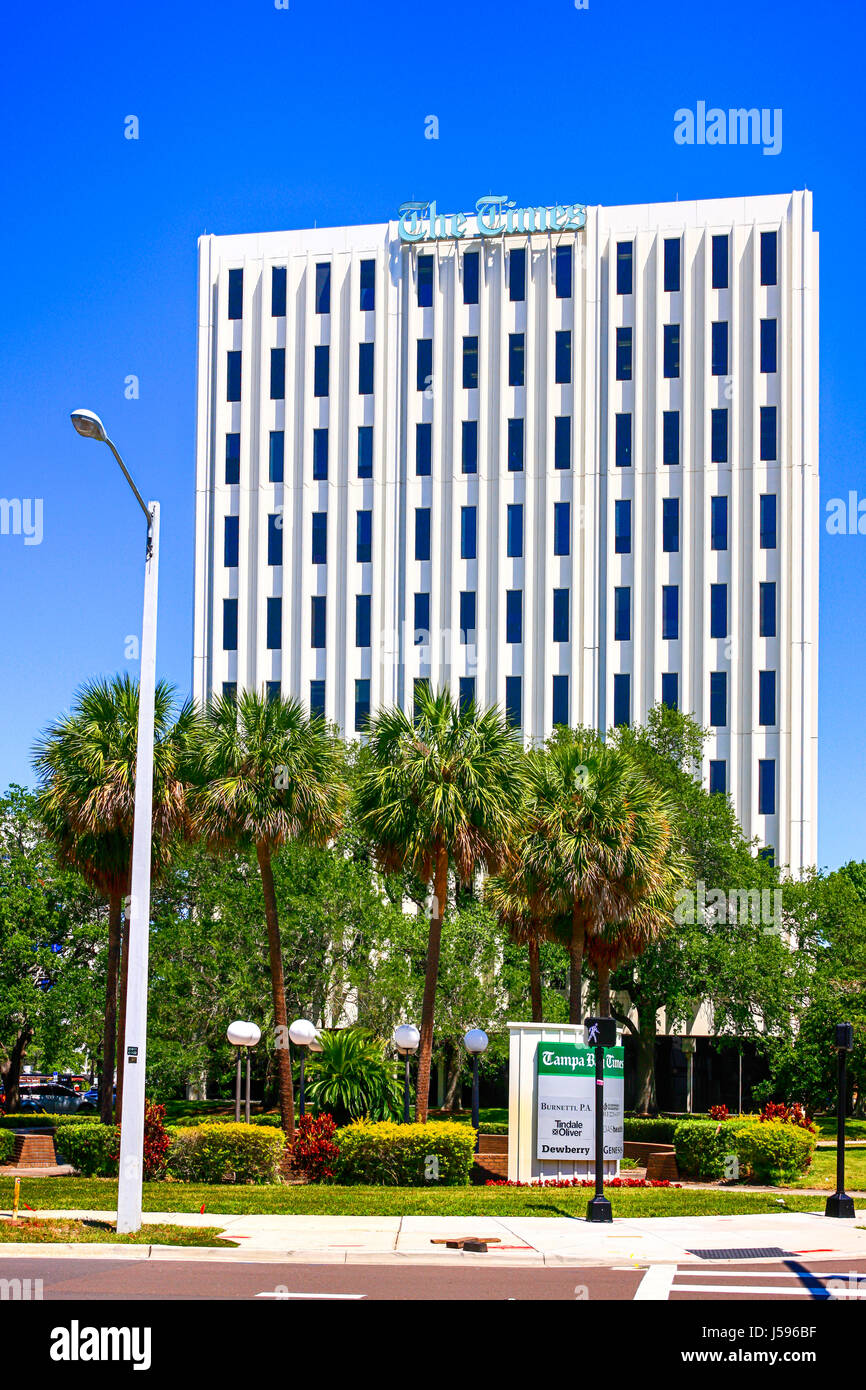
[[496, 216]]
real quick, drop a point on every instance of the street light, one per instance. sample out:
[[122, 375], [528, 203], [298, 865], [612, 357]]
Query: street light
[[303, 1035], [134, 1041], [406, 1039], [240, 1035], [840, 1204], [475, 1042]]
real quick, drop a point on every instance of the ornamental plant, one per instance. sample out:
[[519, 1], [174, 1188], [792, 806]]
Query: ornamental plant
[[787, 1114], [719, 1112], [314, 1152], [775, 1151], [438, 1153]]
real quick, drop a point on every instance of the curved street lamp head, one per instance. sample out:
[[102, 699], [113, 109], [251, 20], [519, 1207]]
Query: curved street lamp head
[[88, 424], [406, 1038], [242, 1034], [302, 1032], [475, 1040], [316, 1046]]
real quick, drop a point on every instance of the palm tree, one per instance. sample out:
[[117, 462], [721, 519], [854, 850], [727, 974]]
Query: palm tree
[[442, 792], [597, 840], [86, 799], [266, 773], [517, 903], [352, 1078]]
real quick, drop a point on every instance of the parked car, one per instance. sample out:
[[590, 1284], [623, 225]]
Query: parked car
[[54, 1098]]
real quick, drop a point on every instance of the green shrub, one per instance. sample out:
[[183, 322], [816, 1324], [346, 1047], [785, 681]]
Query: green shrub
[[225, 1153], [392, 1155], [352, 1078], [701, 1148], [492, 1127], [645, 1131], [7, 1145], [42, 1119], [90, 1148], [773, 1151]]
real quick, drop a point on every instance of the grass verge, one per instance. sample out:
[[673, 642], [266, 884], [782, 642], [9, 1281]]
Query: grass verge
[[42, 1231], [100, 1194], [822, 1172]]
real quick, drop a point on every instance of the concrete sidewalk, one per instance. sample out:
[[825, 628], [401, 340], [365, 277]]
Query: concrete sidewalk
[[528, 1240]]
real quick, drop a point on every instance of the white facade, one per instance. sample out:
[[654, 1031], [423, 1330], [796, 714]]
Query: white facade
[[735, 377]]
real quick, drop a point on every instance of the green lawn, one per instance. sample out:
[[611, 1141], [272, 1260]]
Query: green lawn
[[29, 1231], [95, 1194], [823, 1170], [854, 1129]]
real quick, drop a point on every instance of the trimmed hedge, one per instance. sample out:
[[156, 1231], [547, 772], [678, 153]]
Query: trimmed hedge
[[193, 1122], [221, 1153], [90, 1148], [774, 1152], [383, 1153], [701, 1148], [43, 1119], [7, 1146]]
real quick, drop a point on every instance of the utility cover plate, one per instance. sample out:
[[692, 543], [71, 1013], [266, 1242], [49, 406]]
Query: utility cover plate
[[766, 1252]]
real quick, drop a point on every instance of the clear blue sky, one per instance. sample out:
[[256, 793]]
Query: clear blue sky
[[254, 119]]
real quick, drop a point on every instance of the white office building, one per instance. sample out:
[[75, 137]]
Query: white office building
[[563, 459]]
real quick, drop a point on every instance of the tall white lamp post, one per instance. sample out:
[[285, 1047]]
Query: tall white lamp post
[[475, 1043], [406, 1039], [303, 1035], [135, 1040], [244, 1035]]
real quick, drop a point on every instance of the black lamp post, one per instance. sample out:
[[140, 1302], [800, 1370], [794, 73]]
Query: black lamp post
[[600, 1033], [840, 1204], [475, 1043], [302, 1033], [406, 1039]]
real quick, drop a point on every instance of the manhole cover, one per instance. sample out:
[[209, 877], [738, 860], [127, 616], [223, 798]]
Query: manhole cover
[[755, 1252]]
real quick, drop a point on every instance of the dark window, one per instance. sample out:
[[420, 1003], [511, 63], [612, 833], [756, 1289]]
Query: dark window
[[562, 356], [320, 455], [672, 265], [317, 698], [275, 539], [236, 294], [766, 787], [423, 449], [467, 693], [424, 364], [276, 456], [230, 690], [562, 441], [470, 277], [470, 363], [720, 262], [768, 345], [366, 360], [467, 533], [362, 620], [317, 621], [671, 437], [624, 272], [766, 697], [368, 285], [516, 359], [769, 258], [514, 701], [718, 699], [768, 433], [670, 523], [422, 620], [233, 458], [719, 435], [670, 689], [622, 440], [622, 527], [562, 528], [514, 615], [718, 523], [767, 610], [230, 624], [422, 533], [272, 691], [768, 521], [321, 370], [320, 538], [323, 288], [670, 612], [233, 376], [231, 535], [622, 615], [425, 282], [621, 700], [362, 705], [274, 624], [467, 616], [623, 354], [515, 446], [671, 349], [365, 451], [720, 348], [564, 261], [278, 291], [364, 537], [560, 700], [514, 529], [469, 446], [718, 777], [561, 622], [517, 273], [718, 610]]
